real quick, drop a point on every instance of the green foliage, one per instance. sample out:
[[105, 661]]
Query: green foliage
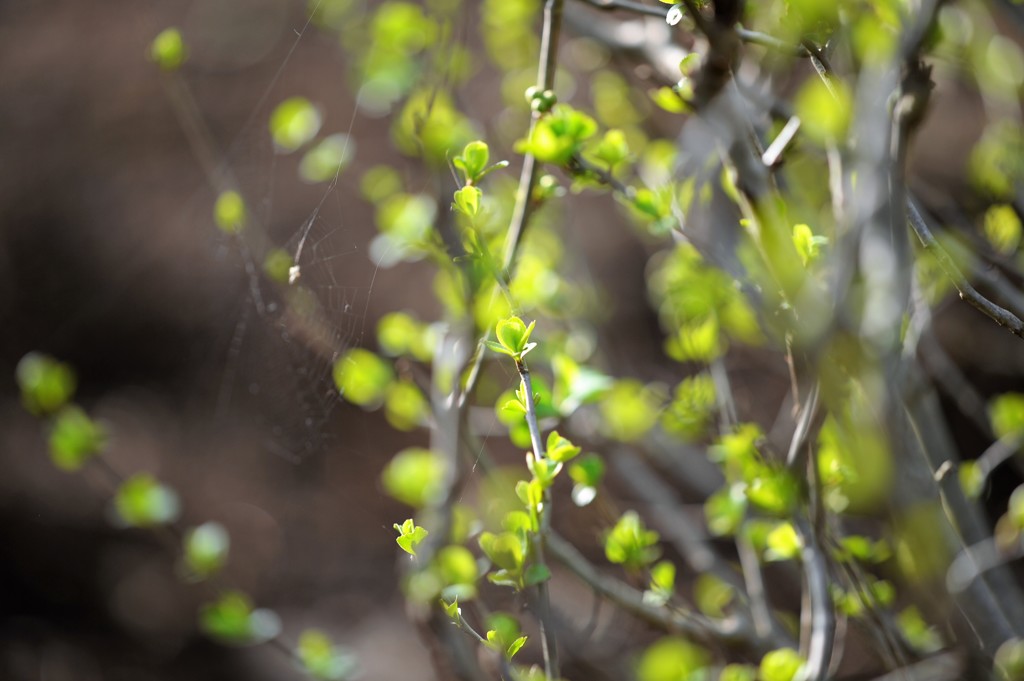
[[808, 245], [713, 595], [74, 438], [1006, 412], [410, 535], [363, 378], [141, 501], [559, 135], [232, 620], [400, 334], [327, 158], [586, 472], [725, 510], [917, 632], [294, 122], [629, 410], [824, 109], [513, 338], [783, 664], [630, 543], [689, 414], [322, 660], [503, 634], [663, 583], [783, 543], [672, 659], [229, 212], [1009, 660], [206, 550], [508, 551], [457, 569], [46, 385], [168, 49], [405, 405], [415, 476]]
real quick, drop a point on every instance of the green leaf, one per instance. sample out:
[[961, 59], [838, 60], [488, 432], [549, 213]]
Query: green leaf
[[772, 489], [293, 123], [363, 378], [516, 646], [576, 385], [612, 149], [561, 449], [824, 113], [74, 438], [536, 573], [141, 501], [503, 634], [672, 659], [322, 659], [808, 246], [1003, 228], [738, 672], [206, 549], [669, 100], [473, 161], [505, 550], [457, 568], [410, 535], [629, 410], [46, 385], [514, 335], [662, 586], [972, 481], [467, 201], [453, 611], [1015, 508], [587, 470], [278, 265], [725, 510], [689, 414], [781, 665], [231, 619], [1009, 660], [783, 543], [327, 158], [712, 594], [630, 543], [405, 406], [544, 470], [229, 212], [415, 476], [559, 135], [168, 49], [1006, 413]]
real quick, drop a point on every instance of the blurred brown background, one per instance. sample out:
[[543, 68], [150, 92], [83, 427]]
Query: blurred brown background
[[109, 259]]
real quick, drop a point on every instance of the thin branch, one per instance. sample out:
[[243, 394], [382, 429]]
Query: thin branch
[[760, 610], [731, 630], [528, 178], [822, 617], [942, 667], [549, 645], [746, 35], [998, 314]]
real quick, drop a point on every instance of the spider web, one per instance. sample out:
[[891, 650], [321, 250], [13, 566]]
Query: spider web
[[279, 354]]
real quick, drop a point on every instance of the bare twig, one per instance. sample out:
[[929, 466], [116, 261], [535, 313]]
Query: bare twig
[[549, 645], [999, 315], [528, 177], [730, 630]]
